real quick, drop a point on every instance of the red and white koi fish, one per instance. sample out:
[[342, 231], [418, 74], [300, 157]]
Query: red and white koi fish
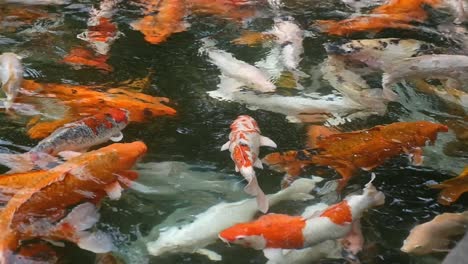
[[279, 231], [244, 144], [11, 76], [77, 136], [101, 32]]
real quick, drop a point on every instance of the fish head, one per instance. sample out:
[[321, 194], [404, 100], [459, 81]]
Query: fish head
[[245, 234], [419, 241], [245, 122], [119, 115], [427, 132], [128, 153]]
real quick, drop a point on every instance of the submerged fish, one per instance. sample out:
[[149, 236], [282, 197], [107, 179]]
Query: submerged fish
[[244, 144], [38, 210], [203, 231], [76, 136], [452, 67], [38, 2], [238, 70], [434, 236], [79, 57], [278, 231], [11, 76], [452, 189]]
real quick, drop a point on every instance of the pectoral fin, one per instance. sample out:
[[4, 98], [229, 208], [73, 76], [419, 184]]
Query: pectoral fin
[[258, 164], [213, 256], [273, 254], [116, 138], [264, 141], [114, 190], [225, 146], [68, 154]]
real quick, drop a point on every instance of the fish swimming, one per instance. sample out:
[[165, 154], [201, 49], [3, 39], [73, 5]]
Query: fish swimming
[[79, 57], [435, 235], [451, 67], [453, 188], [203, 230], [365, 149], [11, 76], [39, 210], [238, 70], [75, 136], [279, 231], [244, 144], [37, 2]]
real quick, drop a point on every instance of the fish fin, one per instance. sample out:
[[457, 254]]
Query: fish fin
[[17, 162], [258, 164], [213, 256], [264, 141], [378, 198], [450, 192], [116, 138], [225, 146], [114, 190], [68, 154], [236, 168], [416, 156], [353, 241], [262, 201], [253, 189], [273, 253], [82, 217], [387, 91]]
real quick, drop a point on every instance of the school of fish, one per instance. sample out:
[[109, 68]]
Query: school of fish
[[375, 56]]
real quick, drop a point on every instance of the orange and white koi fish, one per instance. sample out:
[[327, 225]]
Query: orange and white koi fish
[[434, 236], [279, 231], [76, 136], [101, 32], [11, 76], [244, 144], [40, 209]]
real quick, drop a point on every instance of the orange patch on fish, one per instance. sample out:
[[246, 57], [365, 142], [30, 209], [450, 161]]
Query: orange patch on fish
[[84, 57], [103, 31], [339, 213]]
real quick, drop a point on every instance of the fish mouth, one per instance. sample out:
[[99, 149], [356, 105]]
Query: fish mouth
[[224, 240]]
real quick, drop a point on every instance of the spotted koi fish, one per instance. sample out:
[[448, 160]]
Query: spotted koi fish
[[76, 136], [279, 231], [244, 143]]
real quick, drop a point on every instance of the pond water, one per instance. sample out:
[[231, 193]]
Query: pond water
[[189, 143]]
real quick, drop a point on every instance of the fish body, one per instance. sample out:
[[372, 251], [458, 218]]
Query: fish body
[[11, 76], [244, 144], [79, 57], [434, 236], [377, 53], [454, 67], [289, 36], [241, 71], [38, 210], [206, 226], [278, 231], [37, 2], [365, 149]]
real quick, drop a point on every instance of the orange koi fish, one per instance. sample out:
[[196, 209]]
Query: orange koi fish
[[79, 57], [453, 188], [168, 20], [244, 144], [76, 136], [85, 101], [229, 9], [39, 210], [278, 231], [394, 14], [365, 149]]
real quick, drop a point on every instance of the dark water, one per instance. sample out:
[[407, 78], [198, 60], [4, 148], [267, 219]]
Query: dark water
[[201, 126]]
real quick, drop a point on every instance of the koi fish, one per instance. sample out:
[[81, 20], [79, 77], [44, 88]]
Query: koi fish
[[237, 10], [434, 236], [79, 57], [39, 210], [377, 53], [244, 144], [166, 19], [203, 231], [238, 70], [452, 67], [76, 136], [453, 188], [38, 2], [11, 76], [279, 231], [101, 32], [365, 149]]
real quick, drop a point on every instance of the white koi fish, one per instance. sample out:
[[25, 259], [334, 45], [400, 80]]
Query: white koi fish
[[279, 231], [245, 73], [244, 144], [11, 76], [203, 231]]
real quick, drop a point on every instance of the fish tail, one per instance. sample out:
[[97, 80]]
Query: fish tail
[[262, 201], [377, 197], [387, 92], [298, 190], [450, 193], [81, 218], [17, 162], [252, 185]]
